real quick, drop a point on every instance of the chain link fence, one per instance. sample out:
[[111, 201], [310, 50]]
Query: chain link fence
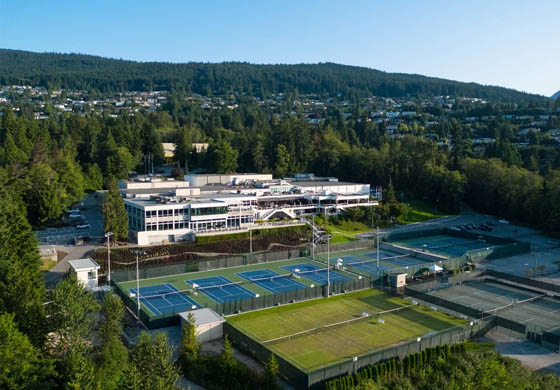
[[249, 304], [314, 379]]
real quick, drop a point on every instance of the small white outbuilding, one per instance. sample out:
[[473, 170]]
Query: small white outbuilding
[[208, 323], [85, 271]]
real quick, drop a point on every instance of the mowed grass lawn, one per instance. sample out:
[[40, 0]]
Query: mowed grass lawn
[[179, 281], [342, 342], [420, 211]]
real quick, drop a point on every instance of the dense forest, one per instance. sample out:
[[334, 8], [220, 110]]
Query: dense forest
[[85, 72], [49, 164]]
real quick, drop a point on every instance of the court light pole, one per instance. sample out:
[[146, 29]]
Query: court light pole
[[250, 243], [108, 235], [137, 287], [328, 266], [377, 250], [313, 237]]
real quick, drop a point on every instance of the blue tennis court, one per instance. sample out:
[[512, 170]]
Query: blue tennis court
[[272, 281], [317, 274], [164, 299], [369, 267], [221, 289]]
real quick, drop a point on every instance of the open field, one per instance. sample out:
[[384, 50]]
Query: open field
[[319, 345], [220, 285]]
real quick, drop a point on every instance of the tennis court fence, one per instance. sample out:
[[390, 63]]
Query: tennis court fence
[[206, 264], [249, 304], [525, 281], [220, 262], [513, 325], [498, 246], [315, 378]]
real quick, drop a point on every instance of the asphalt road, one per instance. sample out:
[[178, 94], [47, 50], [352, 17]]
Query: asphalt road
[[91, 211]]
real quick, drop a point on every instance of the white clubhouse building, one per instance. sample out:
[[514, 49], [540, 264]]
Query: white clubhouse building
[[165, 210]]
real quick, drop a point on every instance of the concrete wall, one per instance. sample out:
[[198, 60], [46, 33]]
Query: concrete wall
[[163, 236], [202, 180], [208, 332], [82, 277]]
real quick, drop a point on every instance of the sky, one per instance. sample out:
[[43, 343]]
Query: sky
[[510, 43]]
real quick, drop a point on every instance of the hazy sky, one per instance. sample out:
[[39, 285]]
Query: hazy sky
[[511, 43]]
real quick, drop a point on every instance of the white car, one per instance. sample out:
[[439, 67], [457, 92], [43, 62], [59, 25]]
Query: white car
[[84, 226], [73, 211], [502, 221]]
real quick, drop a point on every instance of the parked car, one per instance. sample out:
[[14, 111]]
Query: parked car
[[73, 211], [84, 226]]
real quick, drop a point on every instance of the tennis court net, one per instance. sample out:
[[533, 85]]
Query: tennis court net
[[367, 262], [515, 303], [217, 286], [163, 295], [323, 328]]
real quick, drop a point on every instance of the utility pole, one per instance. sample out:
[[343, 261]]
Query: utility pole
[[137, 287], [251, 242], [377, 249], [328, 266], [313, 237], [108, 235]]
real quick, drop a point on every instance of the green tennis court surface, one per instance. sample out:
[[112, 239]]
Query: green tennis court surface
[[313, 333], [446, 245], [208, 288], [364, 261]]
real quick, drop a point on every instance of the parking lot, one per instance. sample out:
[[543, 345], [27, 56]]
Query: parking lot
[[92, 216]]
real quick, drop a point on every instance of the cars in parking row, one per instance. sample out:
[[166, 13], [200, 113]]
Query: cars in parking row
[[487, 227]]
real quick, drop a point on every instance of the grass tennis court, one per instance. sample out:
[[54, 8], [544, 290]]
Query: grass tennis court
[[446, 245], [177, 293], [322, 342]]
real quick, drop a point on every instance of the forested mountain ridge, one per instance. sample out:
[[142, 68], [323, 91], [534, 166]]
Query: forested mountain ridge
[[86, 72], [556, 95]]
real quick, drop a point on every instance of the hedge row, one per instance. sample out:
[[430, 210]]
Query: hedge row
[[183, 252], [390, 369]]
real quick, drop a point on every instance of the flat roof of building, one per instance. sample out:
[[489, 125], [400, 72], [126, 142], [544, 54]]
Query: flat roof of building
[[324, 183], [203, 316], [228, 174], [83, 264]]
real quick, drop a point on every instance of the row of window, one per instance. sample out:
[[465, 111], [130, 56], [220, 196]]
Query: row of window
[[166, 213], [198, 225], [209, 210]]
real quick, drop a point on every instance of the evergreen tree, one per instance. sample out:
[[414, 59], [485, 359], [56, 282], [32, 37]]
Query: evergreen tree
[[183, 147], [114, 213], [389, 194], [271, 373], [22, 288], [152, 358], [73, 313], [282, 161], [223, 158], [190, 346], [22, 366]]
